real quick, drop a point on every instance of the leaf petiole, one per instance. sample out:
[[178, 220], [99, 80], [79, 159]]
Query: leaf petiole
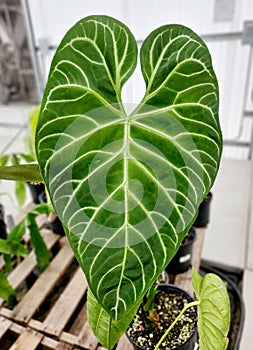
[[187, 306]]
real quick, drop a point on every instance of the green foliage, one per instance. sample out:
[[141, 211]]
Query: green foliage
[[17, 170], [14, 246], [6, 290], [127, 187], [22, 172], [148, 301], [106, 329], [213, 311], [29, 139], [40, 249]]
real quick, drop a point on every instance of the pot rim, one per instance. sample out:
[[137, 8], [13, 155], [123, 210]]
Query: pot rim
[[175, 288]]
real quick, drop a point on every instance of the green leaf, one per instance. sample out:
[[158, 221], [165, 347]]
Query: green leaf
[[213, 311], [4, 159], [22, 172], [12, 248], [20, 191], [107, 330], [43, 208], [29, 139], [6, 290], [40, 248], [15, 159], [7, 263], [127, 187], [150, 299], [17, 231], [27, 157]]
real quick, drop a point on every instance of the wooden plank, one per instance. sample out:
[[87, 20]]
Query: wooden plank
[[21, 215], [86, 338], [65, 306], [32, 300], [20, 273], [29, 339], [49, 343], [124, 344], [2, 262], [79, 321], [64, 346], [4, 326]]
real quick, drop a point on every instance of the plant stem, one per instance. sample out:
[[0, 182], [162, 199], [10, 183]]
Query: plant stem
[[187, 306]]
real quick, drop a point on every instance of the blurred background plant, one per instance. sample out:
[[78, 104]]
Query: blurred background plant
[[28, 156]]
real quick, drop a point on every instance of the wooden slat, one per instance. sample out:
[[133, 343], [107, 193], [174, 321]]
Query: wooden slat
[[4, 326], [29, 339], [65, 306], [64, 346], [79, 321], [86, 338], [49, 343], [20, 273], [2, 262], [32, 300], [21, 215], [124, 344]]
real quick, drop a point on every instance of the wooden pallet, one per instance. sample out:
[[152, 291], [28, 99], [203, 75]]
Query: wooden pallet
[[52, 312]]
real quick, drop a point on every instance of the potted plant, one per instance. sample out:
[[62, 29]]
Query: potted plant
[[149, 325], [127, 187], [203, 216], [29, 156], [170, 321], [183, 257]]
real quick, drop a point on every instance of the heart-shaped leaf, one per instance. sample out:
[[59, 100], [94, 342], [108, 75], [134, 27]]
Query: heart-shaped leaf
[[213, 311], [127, 187]]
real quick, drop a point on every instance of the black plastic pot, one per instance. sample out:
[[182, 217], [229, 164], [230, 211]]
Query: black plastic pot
[[203, 216], [191, 342], [183, 258], [55, 225], [3, 232], [36, 190]]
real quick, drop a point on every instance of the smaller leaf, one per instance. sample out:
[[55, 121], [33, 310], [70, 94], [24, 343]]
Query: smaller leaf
[[6, 290], [197, 282], [7, 261], [15, 159], [150, 298], [27, 157], [40, 248], [33, 121], [22, 172], [4, 159], [17, 232], [12, 248], [43, 208], [213, 311], [20, 192]]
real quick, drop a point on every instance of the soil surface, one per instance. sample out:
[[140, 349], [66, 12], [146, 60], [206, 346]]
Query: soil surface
[[146, 333]]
